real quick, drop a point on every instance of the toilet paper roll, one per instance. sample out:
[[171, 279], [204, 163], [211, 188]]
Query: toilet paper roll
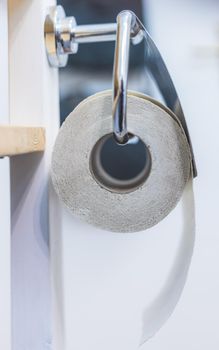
[[137, 208], [170, 179]]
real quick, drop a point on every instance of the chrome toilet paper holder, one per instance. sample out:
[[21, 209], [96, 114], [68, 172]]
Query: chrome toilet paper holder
[[63, 36]]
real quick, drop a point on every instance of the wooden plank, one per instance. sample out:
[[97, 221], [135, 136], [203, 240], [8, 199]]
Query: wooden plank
[[16, 140]]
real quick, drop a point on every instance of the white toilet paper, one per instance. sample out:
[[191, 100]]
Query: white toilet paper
[[137, 209], [169, 180]]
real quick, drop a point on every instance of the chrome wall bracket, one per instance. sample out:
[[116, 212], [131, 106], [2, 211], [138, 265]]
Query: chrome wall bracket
[[63, 36]]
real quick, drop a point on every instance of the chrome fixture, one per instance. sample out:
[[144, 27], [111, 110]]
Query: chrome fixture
[[63, 36]]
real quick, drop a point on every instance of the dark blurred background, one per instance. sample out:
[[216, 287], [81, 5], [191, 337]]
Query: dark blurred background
[[90, 70]]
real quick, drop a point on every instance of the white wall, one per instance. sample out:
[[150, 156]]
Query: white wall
[[187, 35], [5, 234], [34, 100]]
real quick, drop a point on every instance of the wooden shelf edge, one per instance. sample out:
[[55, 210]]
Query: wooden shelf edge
[[15, 140]]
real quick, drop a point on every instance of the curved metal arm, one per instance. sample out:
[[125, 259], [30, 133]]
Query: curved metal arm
[[130, 27], [120, 76], [126, 29]]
